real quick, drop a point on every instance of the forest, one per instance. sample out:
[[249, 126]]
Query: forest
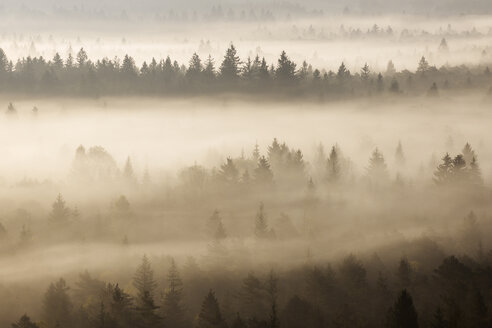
[[242, 278], [245, 164], [79, 76]]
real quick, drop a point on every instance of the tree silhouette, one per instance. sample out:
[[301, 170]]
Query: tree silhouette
[[377, 170], [444, 171], [210, 316], [263, 173], [403, 313], [229, 69], [261, 226], [57, 306], [144, 282], [60, 213], [228, 172], [286, 69], [334, 168], [173, 311], [399, 155], [24, 322]]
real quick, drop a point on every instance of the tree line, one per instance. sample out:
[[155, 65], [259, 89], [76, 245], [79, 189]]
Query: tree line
[[83, 77], [352, 294]]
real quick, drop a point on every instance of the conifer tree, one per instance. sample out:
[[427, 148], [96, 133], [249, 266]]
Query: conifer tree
[[377, 170], [443, 173], [403, 313], [229, 172], [209, 70], [128, 173], [263, 173], [57, 306], [423, 66], [334, 166], [229, 69], [24, 322], [365, 72], [261, 226], [210, 316], [173, 311], [60, 213], [468, 153], [144, 282], [286, 69], [399, 155]]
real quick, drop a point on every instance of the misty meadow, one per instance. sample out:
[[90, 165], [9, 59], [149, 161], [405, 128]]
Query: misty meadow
[[245, 164]]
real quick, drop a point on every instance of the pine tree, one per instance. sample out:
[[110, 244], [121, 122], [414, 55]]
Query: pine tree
[[272, 290], [210, 316], [128, 173], [145, 284], [390, 69], [380, 83], [256, 153], [128, 68], [229, 69], [24, 322], [263, 173], [82, 58], [404, 273], [261, 226], [468, 153], [443, 173], [443, 46], [334, 166], [403, 313], [173, 311], [57, 306], [459, 172], [209, 70], [365, 72], [59, 212], [423, 66], [121, 308], [286, 69], [195, 68], [57, 62], [143, 280], [343, 73], [229, 172], [377, 170], [399, 155]]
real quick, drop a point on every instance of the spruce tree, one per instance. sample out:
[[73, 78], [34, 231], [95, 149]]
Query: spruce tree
[[173, 310], [229, 69], [24, 322], [263, 173], [60, 213], [261, 226], [286, 69], [144, 282], [210, 316], [403, 313], [57, 306], [443, 173], [377, 170], [334, 166]]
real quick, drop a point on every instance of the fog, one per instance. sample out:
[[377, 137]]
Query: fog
[[245, 164]]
